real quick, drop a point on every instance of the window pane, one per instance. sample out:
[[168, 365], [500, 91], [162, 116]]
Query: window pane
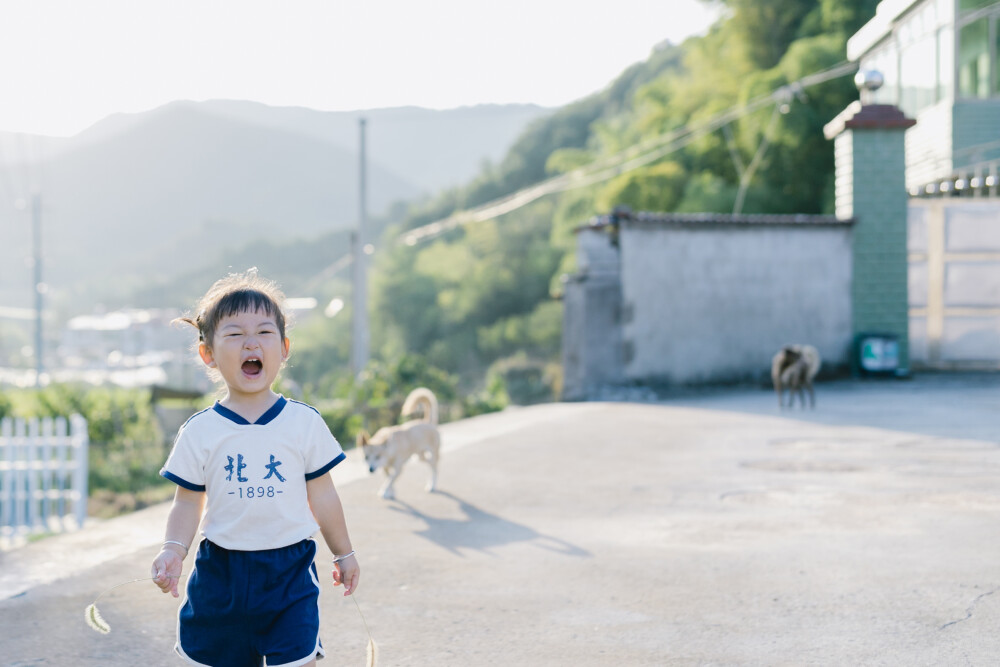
[[974, 60], [965, 5], [884, 60], [918, 75], [945, 11], [946, 63], [996, 52]]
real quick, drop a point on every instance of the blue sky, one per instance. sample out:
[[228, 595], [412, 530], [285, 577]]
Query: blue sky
[[65, 64]]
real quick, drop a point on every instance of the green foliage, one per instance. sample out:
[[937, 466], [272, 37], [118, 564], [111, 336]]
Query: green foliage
[[798, 167], [127, 448], [707, 193], [320, 347], [375, 398], [116, 417], [766, 27], [6, 406], [844, 18], [567, 159], [436, 297], [656, 188], [572, 209], [492, 399], [525, 380], [570, 127], [404, 302], [538, 333]]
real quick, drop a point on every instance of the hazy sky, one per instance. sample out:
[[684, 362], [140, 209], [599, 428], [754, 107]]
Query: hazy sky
[[65, 64]]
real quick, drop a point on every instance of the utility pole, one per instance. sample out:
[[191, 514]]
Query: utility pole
[[36, 226], [359, 338]]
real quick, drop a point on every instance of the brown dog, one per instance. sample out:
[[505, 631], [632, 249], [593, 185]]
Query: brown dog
[[794, 367]]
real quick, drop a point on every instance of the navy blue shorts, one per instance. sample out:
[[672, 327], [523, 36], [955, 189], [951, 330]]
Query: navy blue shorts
[[245, 606]]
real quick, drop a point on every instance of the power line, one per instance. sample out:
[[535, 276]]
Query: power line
[[624, 161], [605, 168], [331, 270], [746, 175]]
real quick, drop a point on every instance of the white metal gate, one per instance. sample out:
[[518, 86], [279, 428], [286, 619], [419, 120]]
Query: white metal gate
[[43, 476], [954, 283]]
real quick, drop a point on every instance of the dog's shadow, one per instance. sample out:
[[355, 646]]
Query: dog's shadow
[[480, 530]]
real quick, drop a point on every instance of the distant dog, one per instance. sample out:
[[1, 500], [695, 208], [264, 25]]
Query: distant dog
[[392, 446], [794, 367]]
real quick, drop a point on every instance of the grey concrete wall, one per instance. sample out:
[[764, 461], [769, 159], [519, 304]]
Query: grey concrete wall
[[591, 343], [714, 303]]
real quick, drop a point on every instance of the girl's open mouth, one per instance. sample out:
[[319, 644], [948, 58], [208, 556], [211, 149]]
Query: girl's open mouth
[[253, 367]]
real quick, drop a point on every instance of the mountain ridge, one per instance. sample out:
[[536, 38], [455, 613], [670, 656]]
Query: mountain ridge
[[154, 193]]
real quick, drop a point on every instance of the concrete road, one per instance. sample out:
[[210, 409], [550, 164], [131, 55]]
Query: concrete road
[[710, 529]]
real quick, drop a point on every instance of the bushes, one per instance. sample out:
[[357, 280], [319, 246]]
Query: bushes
[[126, 444], [375, 398], [526, 381]]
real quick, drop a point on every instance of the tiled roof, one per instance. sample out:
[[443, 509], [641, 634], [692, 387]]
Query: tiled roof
[[645, 218]]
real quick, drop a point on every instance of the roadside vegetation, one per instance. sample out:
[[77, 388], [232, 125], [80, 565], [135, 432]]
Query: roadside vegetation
[[129, 443]]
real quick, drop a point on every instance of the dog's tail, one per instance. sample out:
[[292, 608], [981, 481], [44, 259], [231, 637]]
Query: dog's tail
[[795, 374], [812, 359], [425, 399]]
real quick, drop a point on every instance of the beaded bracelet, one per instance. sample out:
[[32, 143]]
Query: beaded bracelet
[[337, 559]]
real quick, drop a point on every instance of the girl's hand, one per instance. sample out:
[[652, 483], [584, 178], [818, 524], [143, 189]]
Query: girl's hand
[[166, 570], [347, 572]]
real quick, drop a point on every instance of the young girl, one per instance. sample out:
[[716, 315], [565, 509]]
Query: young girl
[[258, 464]]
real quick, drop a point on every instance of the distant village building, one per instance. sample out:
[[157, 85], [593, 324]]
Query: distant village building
[[131, 347], [135, 347], [912, 254]]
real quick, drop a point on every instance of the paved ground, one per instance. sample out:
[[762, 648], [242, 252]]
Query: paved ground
[[710, 529]]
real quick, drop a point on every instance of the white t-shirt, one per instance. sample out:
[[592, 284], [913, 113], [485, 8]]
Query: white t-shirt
[[255, 474]]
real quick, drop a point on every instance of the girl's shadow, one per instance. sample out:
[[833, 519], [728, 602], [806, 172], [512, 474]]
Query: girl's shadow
[[481, 530]]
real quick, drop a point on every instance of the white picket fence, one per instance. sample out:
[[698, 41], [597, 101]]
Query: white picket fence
[[43, 476]]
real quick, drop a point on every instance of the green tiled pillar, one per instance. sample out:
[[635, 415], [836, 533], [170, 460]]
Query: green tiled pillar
[[870, 187]]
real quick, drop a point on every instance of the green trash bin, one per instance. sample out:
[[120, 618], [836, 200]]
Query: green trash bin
[[876, 354]]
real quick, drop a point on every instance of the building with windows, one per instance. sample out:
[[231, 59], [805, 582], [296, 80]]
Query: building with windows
[[939, 62]]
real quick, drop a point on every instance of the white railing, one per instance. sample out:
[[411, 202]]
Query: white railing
[[43, 476]]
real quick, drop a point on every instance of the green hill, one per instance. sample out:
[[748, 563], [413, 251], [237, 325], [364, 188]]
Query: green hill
[[485, 295], [147, 197]]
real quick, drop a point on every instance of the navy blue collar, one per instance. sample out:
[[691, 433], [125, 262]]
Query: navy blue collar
[[265, 418]]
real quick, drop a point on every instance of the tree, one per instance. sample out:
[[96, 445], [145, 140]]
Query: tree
[[480, 292]]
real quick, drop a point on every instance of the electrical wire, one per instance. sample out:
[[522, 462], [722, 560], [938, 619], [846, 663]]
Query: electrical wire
[[631, 158], [608, 167]]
